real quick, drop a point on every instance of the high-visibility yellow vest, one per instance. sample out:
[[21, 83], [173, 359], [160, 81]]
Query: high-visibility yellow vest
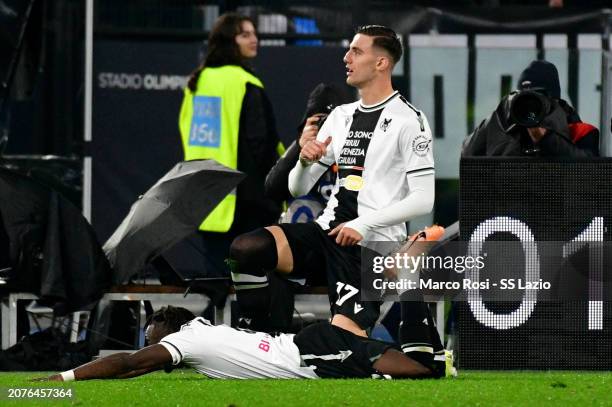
[[209, 123]]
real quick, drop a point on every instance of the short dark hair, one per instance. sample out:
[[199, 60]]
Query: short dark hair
[[173, 317], [384, 38]]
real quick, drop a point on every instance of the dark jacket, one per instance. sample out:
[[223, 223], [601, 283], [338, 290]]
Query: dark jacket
[[567, 136], [322, 99], [277, 184], [257, 142]]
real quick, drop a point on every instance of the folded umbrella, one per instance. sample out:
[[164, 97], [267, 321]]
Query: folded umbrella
[[169, 211]]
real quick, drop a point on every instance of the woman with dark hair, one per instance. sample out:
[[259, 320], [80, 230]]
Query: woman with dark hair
[[232, 41], [226, 116]]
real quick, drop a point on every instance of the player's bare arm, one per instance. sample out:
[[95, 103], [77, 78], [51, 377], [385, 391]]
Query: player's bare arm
[[122, 365], [397, 365]]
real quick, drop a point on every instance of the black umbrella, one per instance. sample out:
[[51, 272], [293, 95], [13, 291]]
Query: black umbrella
[[52, 249], [168, 212]]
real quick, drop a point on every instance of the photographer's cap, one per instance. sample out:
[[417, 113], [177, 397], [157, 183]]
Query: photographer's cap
[[541, 74]]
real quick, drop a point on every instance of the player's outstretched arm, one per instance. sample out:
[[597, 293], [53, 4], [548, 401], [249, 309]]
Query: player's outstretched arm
[[119, 365], [397, 365]]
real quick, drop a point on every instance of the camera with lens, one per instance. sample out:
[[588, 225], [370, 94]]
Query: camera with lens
[[323, 115], [321, 119], [529, 107]]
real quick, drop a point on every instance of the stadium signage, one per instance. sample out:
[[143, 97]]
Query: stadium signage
[[136, 81], [535, 202]]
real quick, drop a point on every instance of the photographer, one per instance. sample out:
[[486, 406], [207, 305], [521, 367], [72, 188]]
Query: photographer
[[534, 121], [323, 98]]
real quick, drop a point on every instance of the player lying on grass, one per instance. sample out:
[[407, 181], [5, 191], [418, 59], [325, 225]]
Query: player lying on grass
[[320, 350]]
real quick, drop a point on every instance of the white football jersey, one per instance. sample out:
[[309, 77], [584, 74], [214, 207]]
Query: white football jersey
[[375, 148], [222, 352]]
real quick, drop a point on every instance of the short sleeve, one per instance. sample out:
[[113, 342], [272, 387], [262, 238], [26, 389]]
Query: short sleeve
[[179, 344], [416, 143]]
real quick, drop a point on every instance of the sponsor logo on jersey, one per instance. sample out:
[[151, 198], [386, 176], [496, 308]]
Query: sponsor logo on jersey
[[385, 124], [421, 145], [352, 182]]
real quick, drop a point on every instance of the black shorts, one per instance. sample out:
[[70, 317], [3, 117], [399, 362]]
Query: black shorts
[[342, 266], [338, 353]]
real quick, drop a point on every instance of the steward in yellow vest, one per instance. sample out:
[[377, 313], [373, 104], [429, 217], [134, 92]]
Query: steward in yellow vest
[[228, 118]]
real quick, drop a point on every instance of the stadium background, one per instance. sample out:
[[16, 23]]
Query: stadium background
[[143, 50]]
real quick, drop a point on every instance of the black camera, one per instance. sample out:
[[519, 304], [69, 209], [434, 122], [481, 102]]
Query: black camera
[[529, 107], [323, 115], [321, 119]]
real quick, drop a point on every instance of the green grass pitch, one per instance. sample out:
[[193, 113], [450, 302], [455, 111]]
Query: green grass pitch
[[186, 388]]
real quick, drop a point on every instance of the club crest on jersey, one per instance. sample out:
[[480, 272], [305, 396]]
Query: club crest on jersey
[[421, 145], [352, 182], [385, 124]]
